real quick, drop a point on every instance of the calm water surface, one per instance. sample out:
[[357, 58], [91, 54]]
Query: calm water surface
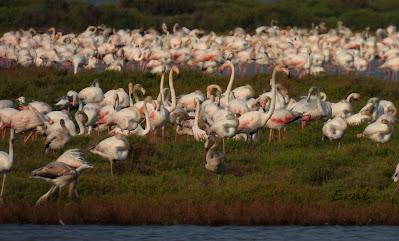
[[182, 232]]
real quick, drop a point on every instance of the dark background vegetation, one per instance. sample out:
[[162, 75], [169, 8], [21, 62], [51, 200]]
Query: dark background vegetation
[[216, 15]]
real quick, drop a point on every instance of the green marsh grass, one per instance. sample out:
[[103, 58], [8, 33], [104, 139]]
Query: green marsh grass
[[166, 183]]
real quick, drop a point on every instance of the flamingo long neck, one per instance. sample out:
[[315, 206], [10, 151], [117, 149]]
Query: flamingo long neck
[[131, 96], [122, 148], [78, 119], [63, 126], [147, 121], [135, 96], [75, 66], [161, 89], [361, 51], [80, 107], [209, 94], [116, 105], [230, 85], [274, 73], [351, 97], [52, 34], [309, 60], [172, 91], [318, 99], [11, 148], [197, 110], [269, 114]]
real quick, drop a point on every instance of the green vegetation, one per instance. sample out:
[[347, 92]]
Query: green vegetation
[[165, 182], [215, 15]]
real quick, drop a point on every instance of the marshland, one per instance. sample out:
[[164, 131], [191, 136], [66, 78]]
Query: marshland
[[165, 182]]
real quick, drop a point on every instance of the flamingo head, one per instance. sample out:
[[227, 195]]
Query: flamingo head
[[67, 64], [175, 69], [284, 69], [388, 119], [140, 88], [130, 88], [74, 100], [84, 166], [224, 65]]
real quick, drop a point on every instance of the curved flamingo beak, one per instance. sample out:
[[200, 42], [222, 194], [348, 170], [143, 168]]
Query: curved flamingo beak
[[286, 71]]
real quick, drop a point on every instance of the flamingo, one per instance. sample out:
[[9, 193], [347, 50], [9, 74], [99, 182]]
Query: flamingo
[[244, 92], [379, 131], [127, 118], [6, 104], [74, 158], [188, 101], [25, 120], [57, 133], [198, 133], [215, 160], [312, 107], [252, 121], [40, 106], [224, 100], [57, 137], [279, 120], [109, 97], [281, 97], [106, 113], [160, 117], [5, 119], [334, 129], [62, 172], [365, 114], [344, 106], [114, 148], [92, 94], [139, 129], [382, 107], [395, 178], [6, 161]]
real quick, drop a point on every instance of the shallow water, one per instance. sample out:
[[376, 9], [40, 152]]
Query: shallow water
[[189, 232]]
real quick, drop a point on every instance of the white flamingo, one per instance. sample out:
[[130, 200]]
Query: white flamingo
[[6, 161], [114, 148]]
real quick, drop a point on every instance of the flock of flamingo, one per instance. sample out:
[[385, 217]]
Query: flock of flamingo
[[303, 51], [234, 113]]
